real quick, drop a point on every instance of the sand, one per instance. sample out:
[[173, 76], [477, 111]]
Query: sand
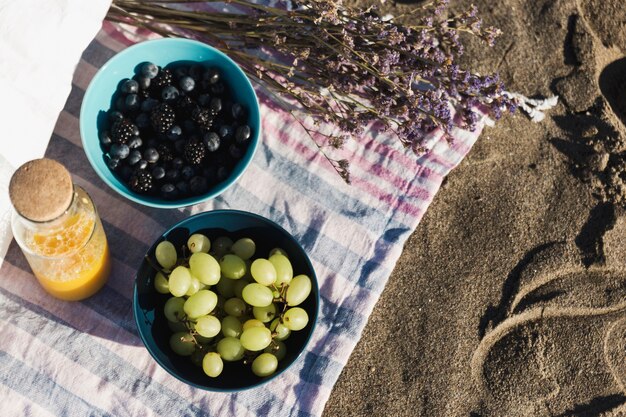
[[510, 297]]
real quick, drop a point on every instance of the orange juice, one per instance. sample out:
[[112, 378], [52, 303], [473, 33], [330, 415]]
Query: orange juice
[[69, 254], [77, 257]]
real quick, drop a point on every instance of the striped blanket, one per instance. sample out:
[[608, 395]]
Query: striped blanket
[[86, 359]]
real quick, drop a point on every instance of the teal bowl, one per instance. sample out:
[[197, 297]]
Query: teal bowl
[[97, 101], [148, 303]]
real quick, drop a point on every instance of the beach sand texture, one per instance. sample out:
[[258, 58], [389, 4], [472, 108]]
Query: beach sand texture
[[510, 298]]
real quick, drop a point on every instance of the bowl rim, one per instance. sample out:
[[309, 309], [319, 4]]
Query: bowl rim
[[314, 282], [161, 203]]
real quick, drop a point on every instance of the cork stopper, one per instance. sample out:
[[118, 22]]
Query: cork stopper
[[41, 190]]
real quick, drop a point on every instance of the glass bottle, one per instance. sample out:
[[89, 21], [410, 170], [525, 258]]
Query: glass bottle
[[56, 225]]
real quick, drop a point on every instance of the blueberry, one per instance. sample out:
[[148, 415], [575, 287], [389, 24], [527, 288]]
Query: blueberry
[[198, 185], [217, 89], [225, 132], [210, 173], [182, 187], [238, 111], [169, 191], [216, 105], [133, 157], [120, 103], [142, 164], [135, 130], [143, 121], [242, 134], [212, 75], [125, 172], [151, 155], [152, 143], [115, 116], [195, 72], [235, 151], [204, 100], [129, 87], [189, 126], [149, 70], [148, 104], [105, 138], [113, 163], [172, 174], [135, 142], [222, 173], [180, 72], [187, 84], [212, 141], [158, 172], [144, 82], [178, 163], [119, 151], [174, 132], [179, 145], [132, 102], [169, 93], [187, 172]]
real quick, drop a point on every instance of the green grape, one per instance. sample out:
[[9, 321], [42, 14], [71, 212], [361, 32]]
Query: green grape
[[295, 319], [222, 246], [278, 349], [212, 364], [264, 314], [173, 309], [231, 326], [257, 295], [230, 349], [244, 248], [165, 253], [180, 280], [232, 266], [263, 272], [239, 286], [200, 304], [235, 307], [177, 326], [182, 343], [281, 332], [205, 268], [256, 338], [279, 251], [161, 284], [284, 270], [226, 287], [264, 365], [194, 287], [252, 323], [299, 289], [208, 326], [199, 243]]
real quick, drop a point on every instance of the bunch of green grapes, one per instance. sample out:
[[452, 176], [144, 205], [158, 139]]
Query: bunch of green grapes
[[228, 306]]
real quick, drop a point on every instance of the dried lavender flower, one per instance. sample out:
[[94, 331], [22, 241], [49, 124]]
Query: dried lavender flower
[[343, 65]]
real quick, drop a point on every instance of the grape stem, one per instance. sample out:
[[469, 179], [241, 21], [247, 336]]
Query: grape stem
[[156, 267]]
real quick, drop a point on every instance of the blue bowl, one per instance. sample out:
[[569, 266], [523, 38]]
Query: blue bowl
[[97, 101], [148, 303]]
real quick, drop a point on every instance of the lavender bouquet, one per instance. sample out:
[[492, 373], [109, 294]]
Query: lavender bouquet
[[328, 63]]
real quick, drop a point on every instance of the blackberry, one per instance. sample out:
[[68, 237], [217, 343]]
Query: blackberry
[[184, 106], [202, 117], [122, 130], [194, 152], [165, 153], [162, 118], [140, 181], [163, 78]]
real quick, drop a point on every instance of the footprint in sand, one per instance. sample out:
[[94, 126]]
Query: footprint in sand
[[558, 346]]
